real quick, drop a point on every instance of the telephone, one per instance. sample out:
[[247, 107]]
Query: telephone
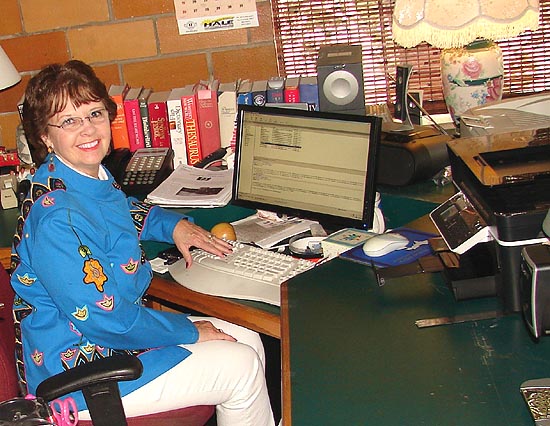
[[140, 172]]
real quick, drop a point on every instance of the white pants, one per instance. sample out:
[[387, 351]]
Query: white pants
[[227, 374]]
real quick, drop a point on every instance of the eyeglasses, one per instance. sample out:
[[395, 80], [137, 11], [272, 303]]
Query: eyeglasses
[[72, 124]]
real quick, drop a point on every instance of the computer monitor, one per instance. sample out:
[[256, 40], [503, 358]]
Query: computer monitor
[[309, 164]]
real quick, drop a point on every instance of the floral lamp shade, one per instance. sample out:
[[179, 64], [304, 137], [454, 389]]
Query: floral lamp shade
[[471, 63]]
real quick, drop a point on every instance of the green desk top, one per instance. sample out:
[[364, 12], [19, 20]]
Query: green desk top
[[399, 204], [357, 357]]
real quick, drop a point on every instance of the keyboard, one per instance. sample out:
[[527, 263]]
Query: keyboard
[[248, 272]]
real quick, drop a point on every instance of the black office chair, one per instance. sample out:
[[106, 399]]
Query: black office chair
[[98, 381]]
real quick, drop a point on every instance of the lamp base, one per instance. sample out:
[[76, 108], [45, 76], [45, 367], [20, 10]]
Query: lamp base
[[472, 75]]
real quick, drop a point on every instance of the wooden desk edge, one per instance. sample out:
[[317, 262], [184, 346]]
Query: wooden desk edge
[[237, 313], [5, 257], [285, 357]]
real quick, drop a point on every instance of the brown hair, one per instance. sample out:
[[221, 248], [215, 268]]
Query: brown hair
[[48, 93]]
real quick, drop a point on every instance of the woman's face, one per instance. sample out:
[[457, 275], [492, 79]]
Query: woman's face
[[81, 146]]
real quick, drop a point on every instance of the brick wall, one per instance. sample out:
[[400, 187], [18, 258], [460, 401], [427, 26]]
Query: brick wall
[[126, 41]]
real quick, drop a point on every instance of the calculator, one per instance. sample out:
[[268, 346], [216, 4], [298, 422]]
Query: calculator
[[147, 168]]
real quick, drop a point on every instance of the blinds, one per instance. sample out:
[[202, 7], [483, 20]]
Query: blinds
[[302, 26]]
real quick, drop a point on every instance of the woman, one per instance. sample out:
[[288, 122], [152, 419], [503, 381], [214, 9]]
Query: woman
[[79, 271]]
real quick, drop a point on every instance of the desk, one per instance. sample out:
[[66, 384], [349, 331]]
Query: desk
[[419, 200], [354, 356]]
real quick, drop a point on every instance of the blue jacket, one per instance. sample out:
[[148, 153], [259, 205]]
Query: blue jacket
[[80, 277]]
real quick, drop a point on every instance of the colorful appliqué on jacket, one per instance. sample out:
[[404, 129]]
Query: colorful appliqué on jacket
[[107, 303], [94, 274], [131, 267]]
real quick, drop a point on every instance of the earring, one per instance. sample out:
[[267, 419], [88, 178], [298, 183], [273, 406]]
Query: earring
[[51, 165]]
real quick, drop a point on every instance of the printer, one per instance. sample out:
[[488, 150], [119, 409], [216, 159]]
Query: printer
[[520, 113], [504, 195]]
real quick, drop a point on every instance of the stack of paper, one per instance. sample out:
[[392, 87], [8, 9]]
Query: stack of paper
[[266, 232], [189, 186]]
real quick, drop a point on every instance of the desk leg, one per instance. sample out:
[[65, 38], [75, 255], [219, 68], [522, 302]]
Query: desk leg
[[285, 358]]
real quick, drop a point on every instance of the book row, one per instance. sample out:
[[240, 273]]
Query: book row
[[198, 119]]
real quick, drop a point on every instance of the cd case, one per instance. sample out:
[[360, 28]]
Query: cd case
[[417, 247]]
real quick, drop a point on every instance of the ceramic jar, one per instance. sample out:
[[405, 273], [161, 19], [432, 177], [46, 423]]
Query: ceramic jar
[[472, 75]]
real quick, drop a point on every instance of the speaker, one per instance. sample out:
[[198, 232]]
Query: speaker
[[401, 96], [407, 157], [414, 110], [340, 79]]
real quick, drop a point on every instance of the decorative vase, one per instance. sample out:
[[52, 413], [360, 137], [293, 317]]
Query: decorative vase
[[472, 75]]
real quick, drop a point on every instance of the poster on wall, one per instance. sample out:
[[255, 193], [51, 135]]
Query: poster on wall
[[203, 16]]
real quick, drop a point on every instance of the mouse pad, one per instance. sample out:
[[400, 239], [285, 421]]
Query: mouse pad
[[418, 247]]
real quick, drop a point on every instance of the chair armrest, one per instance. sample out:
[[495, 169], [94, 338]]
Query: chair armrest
[[111, 369]]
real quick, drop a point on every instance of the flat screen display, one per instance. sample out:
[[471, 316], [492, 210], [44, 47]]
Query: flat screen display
[[314, 165]]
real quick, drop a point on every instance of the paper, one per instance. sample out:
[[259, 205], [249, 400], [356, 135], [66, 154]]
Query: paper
[[343, 240], [189, 186], [215, 15], [266, 233]]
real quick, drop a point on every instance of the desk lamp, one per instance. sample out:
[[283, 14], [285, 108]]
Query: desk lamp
[[471, 63], [8, 74]]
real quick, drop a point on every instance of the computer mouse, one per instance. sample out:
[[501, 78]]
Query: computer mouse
[[382, 244]]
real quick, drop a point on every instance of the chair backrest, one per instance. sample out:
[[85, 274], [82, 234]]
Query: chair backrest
[[8, 384]]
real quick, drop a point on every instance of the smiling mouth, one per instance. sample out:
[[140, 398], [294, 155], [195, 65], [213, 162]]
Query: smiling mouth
[[89, 145]]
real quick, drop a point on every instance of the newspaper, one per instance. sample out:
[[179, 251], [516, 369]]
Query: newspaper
[[266, 232], [189, 186]]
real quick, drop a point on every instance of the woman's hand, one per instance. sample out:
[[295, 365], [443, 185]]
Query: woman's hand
[[207, 331], [187, 234]]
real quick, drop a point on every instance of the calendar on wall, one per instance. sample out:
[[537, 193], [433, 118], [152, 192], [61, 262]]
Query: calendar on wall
[[200, 16]]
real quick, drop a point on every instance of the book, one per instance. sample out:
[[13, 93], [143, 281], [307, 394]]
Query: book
[[191, 125], [292, 91], [275, 90], [227, 114], [207, 111], [309, 92], [343, 240], [158, 119], [244, 93], [259, 92], [176, 125], [293, 105], [119, 129], [133, 119], [144, 113], [417, 247]]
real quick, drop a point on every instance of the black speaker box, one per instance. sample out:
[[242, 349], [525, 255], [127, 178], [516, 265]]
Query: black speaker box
[[401, 91], [411, 156], [340, 79]]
